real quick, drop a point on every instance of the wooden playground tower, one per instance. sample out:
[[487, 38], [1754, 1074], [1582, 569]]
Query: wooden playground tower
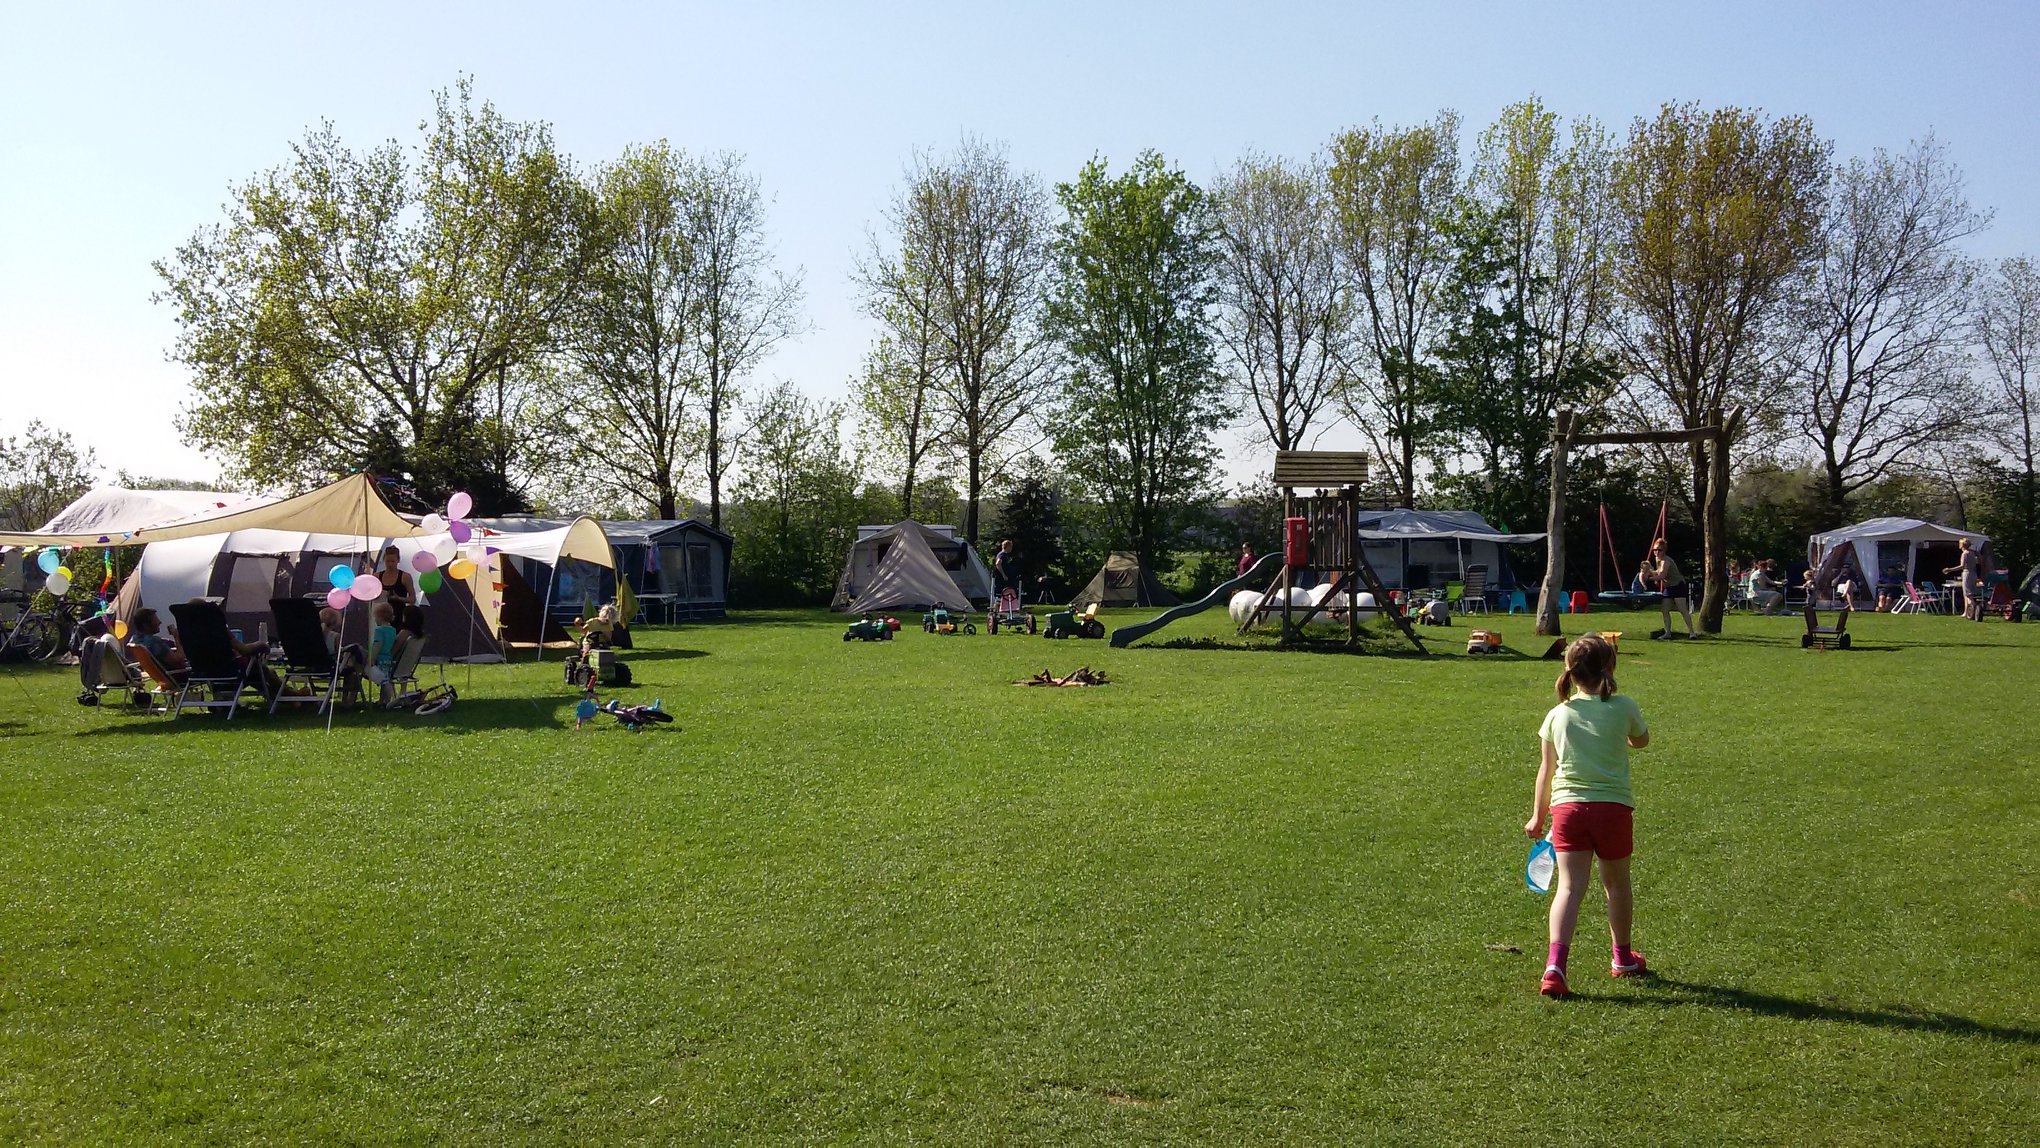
[[1322, 533]]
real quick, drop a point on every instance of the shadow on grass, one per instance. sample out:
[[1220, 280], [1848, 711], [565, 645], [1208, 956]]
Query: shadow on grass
[[468, 715], [1686, 993], [641, 654]]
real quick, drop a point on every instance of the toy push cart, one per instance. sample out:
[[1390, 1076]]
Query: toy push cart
[[941, 621], [1008, 615]]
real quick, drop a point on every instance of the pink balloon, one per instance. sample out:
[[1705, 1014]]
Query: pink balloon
[[366, 588], [460, 530], [459, 505], [338, 598], [423, 561]]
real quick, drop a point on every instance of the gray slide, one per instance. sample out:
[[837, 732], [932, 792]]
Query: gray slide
[[1126, 635]]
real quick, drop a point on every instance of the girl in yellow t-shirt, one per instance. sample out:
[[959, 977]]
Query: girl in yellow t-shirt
[[1583, 786]]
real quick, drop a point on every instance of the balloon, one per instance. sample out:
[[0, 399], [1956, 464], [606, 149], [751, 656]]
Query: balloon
[[432, 524], [66, 572], [119, 629], [460, 505], [341, 577], [444, 548], [424, 562], [460, 531], [338, 597], [57, 583], [429, 581], [47, 560], [365, 588], [461, 569]]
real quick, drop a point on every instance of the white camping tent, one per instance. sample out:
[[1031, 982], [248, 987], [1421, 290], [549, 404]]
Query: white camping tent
[[1880, 544], [352, 506], [117, 510], [970, 580], [1444, 542]]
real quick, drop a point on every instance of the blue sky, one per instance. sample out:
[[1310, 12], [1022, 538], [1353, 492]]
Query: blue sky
[[123, 125]]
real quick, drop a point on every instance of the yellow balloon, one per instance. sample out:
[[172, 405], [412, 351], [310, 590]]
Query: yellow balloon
[[461, 568], [65, 571], [119, 629]]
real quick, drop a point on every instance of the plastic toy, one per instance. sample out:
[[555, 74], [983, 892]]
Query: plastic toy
[[598, 665], [1483, 642], [586, 709], [869, 629], [941, 621], [636, 718], [1008, 613], [1070, 624]]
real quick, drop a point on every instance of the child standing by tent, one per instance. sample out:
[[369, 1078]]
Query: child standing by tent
[[1583, 785]]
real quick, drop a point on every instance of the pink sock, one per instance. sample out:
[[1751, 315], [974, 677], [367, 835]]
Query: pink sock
[[1556, 959], [1624, 955]]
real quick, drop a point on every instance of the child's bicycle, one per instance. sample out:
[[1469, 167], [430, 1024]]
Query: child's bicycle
[[428, 700]]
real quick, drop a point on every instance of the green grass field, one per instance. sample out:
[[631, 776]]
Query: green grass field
[[872, 891]]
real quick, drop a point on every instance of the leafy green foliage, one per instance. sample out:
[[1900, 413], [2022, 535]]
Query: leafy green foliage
[[1141, 400], [800, 505], [355, 308], [42, 470], [1031, 515]]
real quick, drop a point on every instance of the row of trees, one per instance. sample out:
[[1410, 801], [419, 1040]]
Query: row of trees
[[479, 312]]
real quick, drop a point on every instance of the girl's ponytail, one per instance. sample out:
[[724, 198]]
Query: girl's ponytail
[[1589, 663]]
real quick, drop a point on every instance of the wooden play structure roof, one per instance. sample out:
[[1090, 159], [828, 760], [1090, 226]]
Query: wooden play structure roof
[[1319, 469]]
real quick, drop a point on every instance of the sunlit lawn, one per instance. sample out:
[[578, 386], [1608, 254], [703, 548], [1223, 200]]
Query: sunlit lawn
[[872, 891]]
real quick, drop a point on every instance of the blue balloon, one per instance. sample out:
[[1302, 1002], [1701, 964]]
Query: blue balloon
[[48, 561], [342, 576]]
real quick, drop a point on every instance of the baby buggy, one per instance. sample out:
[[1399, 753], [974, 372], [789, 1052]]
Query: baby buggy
[[1007, 613]]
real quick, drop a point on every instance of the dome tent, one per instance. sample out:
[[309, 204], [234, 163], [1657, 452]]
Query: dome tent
[[970, 582], [1124, 580]]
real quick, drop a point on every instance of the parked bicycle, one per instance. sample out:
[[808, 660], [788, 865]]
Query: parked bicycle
[[36, 635]]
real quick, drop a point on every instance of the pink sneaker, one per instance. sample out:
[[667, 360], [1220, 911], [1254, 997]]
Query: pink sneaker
[[1639, 969], [1554, 983]]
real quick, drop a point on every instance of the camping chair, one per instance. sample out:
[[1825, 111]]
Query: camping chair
[[1455, 594], [1819, 637], [1474, 594], [306, 659], [105, 670], [214, 666], [404, 672], [163, 682]]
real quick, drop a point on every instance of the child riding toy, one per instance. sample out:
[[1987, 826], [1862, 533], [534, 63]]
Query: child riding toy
[[1070, 624], [943, 621], [1008, 613]]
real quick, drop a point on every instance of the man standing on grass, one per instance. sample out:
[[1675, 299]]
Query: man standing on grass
[[1005, 570]]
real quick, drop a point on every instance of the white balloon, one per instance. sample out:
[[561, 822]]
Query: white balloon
[[432, 524], [444, 548]]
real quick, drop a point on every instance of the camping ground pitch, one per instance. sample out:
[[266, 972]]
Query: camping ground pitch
[[872, 891]]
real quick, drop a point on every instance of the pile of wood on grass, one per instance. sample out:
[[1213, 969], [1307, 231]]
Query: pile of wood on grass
[[1083, 677]]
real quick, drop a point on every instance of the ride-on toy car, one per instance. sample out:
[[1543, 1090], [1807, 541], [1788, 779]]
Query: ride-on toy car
[[941, 621], [1007, 614], [1070, 624], [872, 629]]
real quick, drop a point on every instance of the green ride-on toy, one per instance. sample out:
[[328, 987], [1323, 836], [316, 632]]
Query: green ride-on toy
[[869, 629], [941, 621], [1070, 624]]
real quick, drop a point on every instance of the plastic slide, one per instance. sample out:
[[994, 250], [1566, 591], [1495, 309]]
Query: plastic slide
[[1126, 635]]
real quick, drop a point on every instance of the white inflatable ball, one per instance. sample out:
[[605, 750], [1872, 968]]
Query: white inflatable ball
[[1242, 605]]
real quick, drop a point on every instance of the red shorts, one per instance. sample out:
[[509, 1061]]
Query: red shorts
[[1606, 827]]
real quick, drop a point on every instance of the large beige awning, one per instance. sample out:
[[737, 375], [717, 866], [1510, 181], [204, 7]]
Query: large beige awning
[[351, 506]]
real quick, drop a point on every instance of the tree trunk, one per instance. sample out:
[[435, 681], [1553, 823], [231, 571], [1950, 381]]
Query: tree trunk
[[714, 461], [970, 508], [1714, 527], [1554, 539]]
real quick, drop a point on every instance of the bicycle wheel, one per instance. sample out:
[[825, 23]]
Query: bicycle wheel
[[437, 705], [36, 639]]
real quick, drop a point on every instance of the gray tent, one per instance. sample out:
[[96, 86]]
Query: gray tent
[[1124, 581], [970, 582], [907, 575]]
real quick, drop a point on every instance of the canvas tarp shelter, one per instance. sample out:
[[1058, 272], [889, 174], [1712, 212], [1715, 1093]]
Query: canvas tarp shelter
[[679, 567], [1444, 542], [1875, 545], [246, 568], [116, 510], [523, 602], [908, 575], [970, 580], [352, 505], [1123, 581]]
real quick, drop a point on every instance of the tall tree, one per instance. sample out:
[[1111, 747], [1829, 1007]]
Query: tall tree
[[357, 304], [797, 506], [41, 471], [635, 369], [1719, 217], [2006, 330], [971, 235], [904, 424], [1394, 193], [1280, 324], [747, 307], [1130, 307], [1878, 367]]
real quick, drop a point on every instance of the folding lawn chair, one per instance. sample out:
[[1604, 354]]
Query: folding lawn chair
[[1455, 594], [214, 667], [1474, 595], [306, 660], [105, 671], [163, 684], [404, 672]]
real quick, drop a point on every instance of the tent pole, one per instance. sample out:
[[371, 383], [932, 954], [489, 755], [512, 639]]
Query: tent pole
[[545, 612]]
